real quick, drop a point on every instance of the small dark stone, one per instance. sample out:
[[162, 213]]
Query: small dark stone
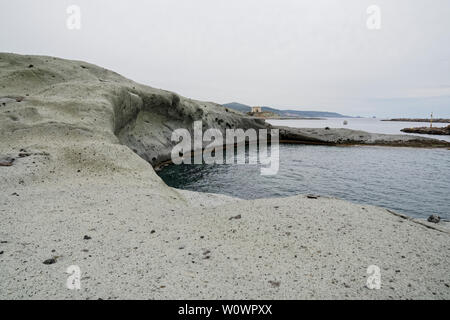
[[275, 284], [153, 231], [15, 194], [24, 154], [311, 196], [434, 218], [327, 128], [50, 261], [87, 238], [1, 252], [236, 217]]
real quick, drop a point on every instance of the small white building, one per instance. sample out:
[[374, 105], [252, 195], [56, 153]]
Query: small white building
[[256, 109]]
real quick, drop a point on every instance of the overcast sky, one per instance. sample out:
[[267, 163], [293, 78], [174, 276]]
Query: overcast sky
[[301, 54]]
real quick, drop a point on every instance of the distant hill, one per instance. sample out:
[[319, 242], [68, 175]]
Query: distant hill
[[238, 107], [286, 113]]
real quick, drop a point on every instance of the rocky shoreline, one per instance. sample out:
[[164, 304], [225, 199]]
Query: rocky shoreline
[[343, 137], [429, 130], [78, 189]]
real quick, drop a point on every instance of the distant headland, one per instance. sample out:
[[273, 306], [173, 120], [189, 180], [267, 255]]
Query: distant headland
[[289, 114]]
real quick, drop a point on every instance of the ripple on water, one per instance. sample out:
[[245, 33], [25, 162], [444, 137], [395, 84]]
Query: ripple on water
[[409, 180]]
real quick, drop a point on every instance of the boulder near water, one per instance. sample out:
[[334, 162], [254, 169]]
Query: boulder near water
[[434, 218]]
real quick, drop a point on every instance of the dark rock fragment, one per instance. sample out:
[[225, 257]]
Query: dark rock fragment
[[275, 284], [50, 261], [434, 218], [24, 154]]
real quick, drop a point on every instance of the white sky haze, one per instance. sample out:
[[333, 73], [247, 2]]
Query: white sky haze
[[305, 55]]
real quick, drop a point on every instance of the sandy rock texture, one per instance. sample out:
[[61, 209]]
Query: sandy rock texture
[[79, 191]]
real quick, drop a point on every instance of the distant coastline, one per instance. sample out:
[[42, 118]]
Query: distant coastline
[[418, 120], [288, 114]]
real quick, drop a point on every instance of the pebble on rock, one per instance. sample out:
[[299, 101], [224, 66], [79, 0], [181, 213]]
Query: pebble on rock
[[50, 261], [275, 284], [24, 154]]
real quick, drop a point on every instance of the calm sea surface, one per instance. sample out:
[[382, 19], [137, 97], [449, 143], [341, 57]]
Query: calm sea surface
[[409, 180]]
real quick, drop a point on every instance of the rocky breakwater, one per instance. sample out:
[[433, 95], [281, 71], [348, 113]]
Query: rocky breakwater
[[429, 130], [438, 120], [332, 136]]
